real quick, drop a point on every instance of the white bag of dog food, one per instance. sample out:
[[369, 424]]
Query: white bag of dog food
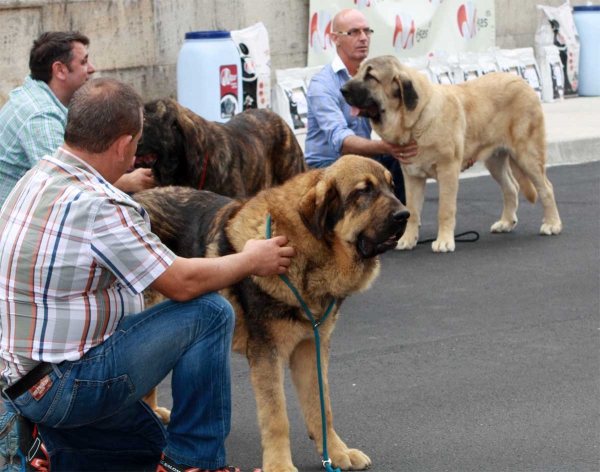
[[253, 45], [289, 96], [289, 99], [420, 64], [467, 68], [487, 62], [565, 37], [529, 69], [508, 62], [551, 71], [440, 69]]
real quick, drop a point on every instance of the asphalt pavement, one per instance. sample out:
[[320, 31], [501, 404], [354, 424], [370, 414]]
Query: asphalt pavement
[[486, 359]]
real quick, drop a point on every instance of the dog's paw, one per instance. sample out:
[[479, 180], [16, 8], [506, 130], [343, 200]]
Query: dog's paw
[[503, 226], [443, 245], [551, 228], [163, 414], [289, 468], [406, 243], [350, 459]]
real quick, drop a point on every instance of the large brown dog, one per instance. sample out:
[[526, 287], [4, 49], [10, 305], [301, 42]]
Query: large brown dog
[[338, 219], [496, 118], [254, 150]]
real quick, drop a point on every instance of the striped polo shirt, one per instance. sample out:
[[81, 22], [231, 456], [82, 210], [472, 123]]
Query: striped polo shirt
[[75, 255]]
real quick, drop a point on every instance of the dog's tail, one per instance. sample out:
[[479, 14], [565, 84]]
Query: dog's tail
[[525, 185]]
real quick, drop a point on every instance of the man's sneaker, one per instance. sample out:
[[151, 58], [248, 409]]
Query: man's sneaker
[[21, 445], [166, 464]]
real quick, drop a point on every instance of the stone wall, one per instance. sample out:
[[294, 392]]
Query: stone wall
[[137, 41]]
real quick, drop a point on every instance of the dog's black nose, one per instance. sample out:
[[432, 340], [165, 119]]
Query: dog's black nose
[[344, 91], [401, 215]]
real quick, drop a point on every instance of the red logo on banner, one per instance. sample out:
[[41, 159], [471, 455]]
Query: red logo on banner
[[404, 33], [363, 3], [320, 31], [467, 20]]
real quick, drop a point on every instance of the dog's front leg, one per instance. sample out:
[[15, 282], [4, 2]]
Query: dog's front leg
[[415, 195], [266, 372], [303, 368], [448, 181]]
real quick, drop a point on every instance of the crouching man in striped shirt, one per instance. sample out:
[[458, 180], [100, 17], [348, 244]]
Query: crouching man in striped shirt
[[77, 349]]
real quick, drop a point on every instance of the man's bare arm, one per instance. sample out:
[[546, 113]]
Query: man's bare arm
[[189, 278], [369, 147]]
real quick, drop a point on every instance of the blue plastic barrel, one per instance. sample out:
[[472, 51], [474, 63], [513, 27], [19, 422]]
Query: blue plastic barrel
[[587, 21]]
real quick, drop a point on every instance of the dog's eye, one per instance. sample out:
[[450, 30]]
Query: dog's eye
[[368, 75], [366, 189]]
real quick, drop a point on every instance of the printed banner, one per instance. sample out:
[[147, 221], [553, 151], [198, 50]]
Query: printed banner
[[408, 28]]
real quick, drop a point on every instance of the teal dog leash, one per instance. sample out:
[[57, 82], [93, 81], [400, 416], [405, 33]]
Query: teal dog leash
[[315, 325]]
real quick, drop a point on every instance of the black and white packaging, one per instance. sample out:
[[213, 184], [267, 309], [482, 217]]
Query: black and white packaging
[[253, 45], [557, 28], [508, 62], [467, 68], [551, 70], [289, 96], [420, 64], [487, 62], [440, 69], [528, 67]]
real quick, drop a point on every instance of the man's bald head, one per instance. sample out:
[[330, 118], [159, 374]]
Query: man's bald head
[[352, 48], [345, 17]]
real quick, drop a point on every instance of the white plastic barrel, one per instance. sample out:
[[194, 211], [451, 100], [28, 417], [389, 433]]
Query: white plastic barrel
[[587, 21], [209, 75]]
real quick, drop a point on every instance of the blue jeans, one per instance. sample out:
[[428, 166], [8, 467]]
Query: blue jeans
[[386, 160], [92, 418]]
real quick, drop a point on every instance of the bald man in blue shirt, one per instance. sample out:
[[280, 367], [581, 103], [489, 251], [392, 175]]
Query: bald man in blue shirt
[[332, 130]]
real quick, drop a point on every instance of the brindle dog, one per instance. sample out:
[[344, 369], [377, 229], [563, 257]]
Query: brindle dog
[[338, 219], [254, 150]]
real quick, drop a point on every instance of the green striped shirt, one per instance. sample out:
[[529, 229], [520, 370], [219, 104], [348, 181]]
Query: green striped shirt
[[32, 124]]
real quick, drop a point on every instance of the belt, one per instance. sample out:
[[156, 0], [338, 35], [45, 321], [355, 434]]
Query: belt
[[29, 380]]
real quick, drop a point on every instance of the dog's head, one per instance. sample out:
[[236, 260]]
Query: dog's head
[[353, 204], [170, 137], [387, 93]]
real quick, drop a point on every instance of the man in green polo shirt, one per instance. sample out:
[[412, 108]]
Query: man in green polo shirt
[[32, 122]]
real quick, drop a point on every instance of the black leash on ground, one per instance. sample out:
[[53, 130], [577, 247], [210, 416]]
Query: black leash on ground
[[474, 238]]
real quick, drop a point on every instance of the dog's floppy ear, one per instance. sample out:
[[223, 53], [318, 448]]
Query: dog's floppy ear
[[405, 91], [188, 131], [321, 208]]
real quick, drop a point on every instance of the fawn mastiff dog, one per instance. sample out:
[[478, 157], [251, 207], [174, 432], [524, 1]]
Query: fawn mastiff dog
[[339, 219], [256, 149], [496, 119]]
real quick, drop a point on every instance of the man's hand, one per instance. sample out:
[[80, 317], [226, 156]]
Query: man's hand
[[136, 181], [270, 256], [404, 153]]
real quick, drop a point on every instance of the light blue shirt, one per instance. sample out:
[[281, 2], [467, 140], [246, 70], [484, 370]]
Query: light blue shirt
[[329, 120]]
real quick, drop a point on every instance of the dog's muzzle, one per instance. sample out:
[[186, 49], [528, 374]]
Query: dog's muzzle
[[360, 101], [371, 247]]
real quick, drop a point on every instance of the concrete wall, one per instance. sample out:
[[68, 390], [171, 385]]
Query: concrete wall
[[137, 41], [517, 20]]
